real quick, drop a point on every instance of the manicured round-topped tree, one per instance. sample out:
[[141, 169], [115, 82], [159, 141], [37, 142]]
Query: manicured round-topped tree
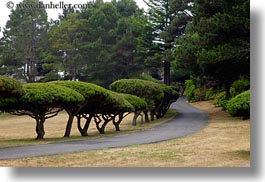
[[94, 95], [42, 101], [147, 90], [114, 106], [162, 105], [158, 96], [10, 87], [138, 104]]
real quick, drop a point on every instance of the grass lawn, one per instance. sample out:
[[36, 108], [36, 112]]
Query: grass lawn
[[20, 130], [225, 142]]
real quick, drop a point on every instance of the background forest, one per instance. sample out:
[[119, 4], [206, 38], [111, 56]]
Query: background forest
[[200, 45]]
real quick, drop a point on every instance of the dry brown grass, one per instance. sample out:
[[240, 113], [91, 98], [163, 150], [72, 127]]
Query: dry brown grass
[[20, 130], [225, 142]]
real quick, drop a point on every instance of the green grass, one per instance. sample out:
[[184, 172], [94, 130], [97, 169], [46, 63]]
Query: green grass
[[245, 154]]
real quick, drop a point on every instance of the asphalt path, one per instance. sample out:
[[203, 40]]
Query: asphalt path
[[188, 121]]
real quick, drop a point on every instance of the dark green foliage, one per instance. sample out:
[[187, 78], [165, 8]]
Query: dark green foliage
[[24, 38], [240, 105], [10, 87], [216, 44], [51, 77], [168, 19]]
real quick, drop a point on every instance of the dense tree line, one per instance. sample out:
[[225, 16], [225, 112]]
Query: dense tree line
[[85, 102], [100, 44], [107, 41], [206, 42]]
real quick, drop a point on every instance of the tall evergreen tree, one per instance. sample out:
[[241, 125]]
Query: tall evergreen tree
[[22, 38], [169, 19], [217, 42]]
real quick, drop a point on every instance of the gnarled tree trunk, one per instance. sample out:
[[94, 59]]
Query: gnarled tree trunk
[[40, 127], [98, 120], [146, 117], [84, 131]]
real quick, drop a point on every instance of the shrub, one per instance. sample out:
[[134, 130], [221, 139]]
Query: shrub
[[199, 94], [148, 78], [220, 99], [240, 105], [210, 94]]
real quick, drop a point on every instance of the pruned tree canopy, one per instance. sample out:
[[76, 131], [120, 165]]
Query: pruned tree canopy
[[10, 87], [42, 101], [147, 90]]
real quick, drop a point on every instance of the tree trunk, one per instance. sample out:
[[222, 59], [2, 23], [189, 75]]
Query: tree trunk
[[135, 116], [117, 124], [79, 127], [69, 124], [167, 72], [98, 120], [40, 128], [146, 117], [227, 89], [88, 120], [152, 115], [84, 131]]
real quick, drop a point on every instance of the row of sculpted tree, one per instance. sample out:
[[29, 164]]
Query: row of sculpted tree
[[85, 101], [158, 96], [82, 100], [100, 44]]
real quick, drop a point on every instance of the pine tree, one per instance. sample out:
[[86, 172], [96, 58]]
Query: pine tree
[[23, 35], [169, 19]]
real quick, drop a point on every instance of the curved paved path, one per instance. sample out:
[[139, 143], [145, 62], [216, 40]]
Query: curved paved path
[[188, 121]]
